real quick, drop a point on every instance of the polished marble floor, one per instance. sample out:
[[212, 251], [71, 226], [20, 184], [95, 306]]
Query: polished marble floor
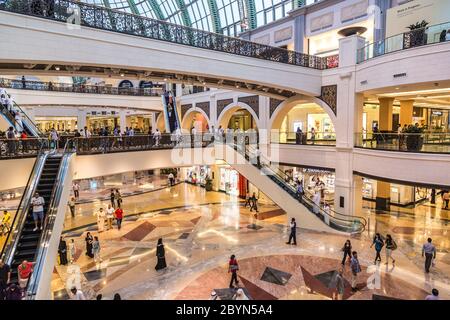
[[202, 229]]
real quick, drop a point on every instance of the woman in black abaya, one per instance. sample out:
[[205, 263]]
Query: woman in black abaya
[[160, 255], [62, 250], [89, 240]]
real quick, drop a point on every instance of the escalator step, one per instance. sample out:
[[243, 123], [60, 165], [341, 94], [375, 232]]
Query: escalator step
[[30, 237], [25, 254]]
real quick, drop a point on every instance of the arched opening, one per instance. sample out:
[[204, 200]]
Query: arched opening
[[311, 119], [196, 119], [238, 117], [160, 124]]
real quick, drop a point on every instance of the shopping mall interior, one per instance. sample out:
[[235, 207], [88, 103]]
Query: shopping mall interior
[[225, 150]]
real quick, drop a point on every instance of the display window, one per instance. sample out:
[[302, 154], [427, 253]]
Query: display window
[[229, 181]]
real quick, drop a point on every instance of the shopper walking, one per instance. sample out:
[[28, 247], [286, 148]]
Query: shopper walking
[[340, 285], [72, 250], [429, 251], [160, 255], [254, 203], [119, 216], [347, 250], [89, 240], [248, 200], [240, 295], [110, 216], [378, 242], [434, 295], [62, 251], [96, 249], [355, 268], [445, 198], [118, 197], [391, 245], [233, 268], [101, 216], [5, 278], [38, 210], [71, 204], [117, 297], [112, 197], [76, 190], [77, 294], [293, 234], [24, 271]]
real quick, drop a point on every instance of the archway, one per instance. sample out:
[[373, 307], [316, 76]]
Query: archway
[[238, 115], [160, 123], [195, 118], [305, 113]]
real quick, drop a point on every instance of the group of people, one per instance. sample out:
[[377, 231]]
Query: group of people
[[301, 137], [66, 251], [251, 201], [11, 290], [109, 216]]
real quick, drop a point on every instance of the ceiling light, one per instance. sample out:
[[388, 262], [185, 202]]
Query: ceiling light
[[165, 79], [57, 68], [122, 74]]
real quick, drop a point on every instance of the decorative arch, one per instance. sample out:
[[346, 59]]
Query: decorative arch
[[284, 107], [225, 115], [160, 123], [187, 117]]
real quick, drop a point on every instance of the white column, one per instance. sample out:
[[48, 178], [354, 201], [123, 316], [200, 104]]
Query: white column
[[123, 120], [81, 118], [153, 121]]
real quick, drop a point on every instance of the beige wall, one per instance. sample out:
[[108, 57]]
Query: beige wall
[[15, 173]]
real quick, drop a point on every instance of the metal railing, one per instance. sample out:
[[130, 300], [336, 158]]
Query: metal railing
[[78, 88], [427, 142], [22, 148], [24, 123], [412, 39], [11, 242], [304, 138], [127, 23], [337, 221]]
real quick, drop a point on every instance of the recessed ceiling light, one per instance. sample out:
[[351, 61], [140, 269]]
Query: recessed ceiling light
[[57, 68], [122, 75], [397, 88]]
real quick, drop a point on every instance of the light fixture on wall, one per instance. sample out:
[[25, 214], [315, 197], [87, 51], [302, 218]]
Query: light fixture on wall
[[57, 68]]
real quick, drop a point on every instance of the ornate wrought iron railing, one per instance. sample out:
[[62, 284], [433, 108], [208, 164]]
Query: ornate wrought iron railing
[[78, 13], [78, 88]]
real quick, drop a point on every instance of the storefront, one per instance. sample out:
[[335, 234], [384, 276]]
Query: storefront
[[197, 174], [401, 195], [140, 123], [95, 122], [322, 125], [59, 123], [229, 181], [310, 177], [243, 120]]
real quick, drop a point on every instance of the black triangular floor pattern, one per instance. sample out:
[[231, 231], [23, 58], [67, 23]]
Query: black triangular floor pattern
[[275, 276], [327, 278], [228, 293]]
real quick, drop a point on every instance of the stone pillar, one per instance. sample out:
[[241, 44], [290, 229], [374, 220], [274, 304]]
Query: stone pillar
[[406, 112], [383, 197], [299, 34], [179, 90], [357, 195], [385, 114], [123, 120], [153, 121], [81, 119]]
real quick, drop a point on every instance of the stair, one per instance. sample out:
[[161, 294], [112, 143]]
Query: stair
[[28, 240]]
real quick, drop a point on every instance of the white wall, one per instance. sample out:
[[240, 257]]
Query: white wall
[[35, 97], [28, 40], [15, 173]]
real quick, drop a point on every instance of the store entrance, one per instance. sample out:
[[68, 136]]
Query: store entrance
[[243, 120], [96, 123]]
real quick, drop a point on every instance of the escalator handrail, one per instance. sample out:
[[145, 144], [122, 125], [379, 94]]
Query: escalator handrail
[[17, 225], [46, 234], [340, 218], [283, 175], [32, 125]]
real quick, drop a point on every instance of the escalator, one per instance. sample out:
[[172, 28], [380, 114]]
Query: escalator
[[51, 178], [170, 112], [273, 182], [28, 126]]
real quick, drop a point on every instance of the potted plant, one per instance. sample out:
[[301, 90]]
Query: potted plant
[[414, 138], [416, 36]]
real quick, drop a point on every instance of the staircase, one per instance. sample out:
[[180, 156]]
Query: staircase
[[272, 182]]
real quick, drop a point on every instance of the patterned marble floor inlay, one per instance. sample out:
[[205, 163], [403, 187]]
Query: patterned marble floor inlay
[[200, 231], [276, 276]]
